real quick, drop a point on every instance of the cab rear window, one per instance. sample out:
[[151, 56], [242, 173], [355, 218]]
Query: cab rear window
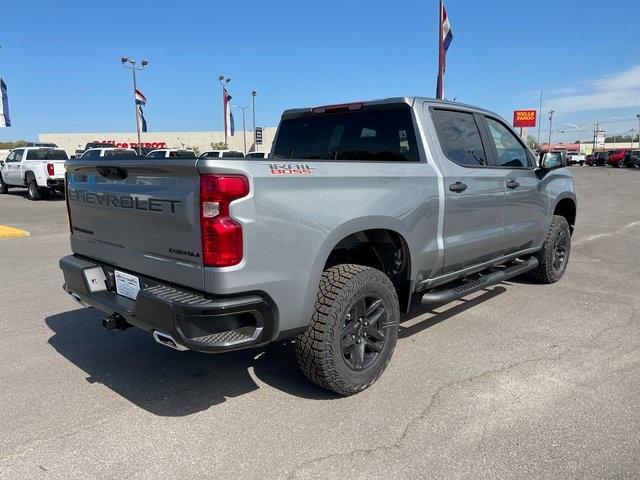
[[47, 154], [362, 135]]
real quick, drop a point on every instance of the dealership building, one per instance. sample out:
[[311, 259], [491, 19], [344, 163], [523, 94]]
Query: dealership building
[[200, 141]]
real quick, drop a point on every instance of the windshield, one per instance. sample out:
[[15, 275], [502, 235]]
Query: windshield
[[47, 154], [382, 135]]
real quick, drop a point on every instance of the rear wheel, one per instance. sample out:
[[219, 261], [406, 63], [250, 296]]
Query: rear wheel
[[33, 191], [554, 255], [353, 330], [4, 188]]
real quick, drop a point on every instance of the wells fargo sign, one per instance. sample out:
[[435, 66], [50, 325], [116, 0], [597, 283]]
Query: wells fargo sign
[[524, 118]]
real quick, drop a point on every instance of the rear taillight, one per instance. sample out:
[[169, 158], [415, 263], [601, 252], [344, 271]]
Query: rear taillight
[[50, 169], [66, 199], [221, 235]]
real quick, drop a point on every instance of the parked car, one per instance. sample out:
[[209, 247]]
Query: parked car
[[109, 152], [362, 207], [257, 155], [222, 154], [171, 153], [597, 159], [616, 158], [40, 169], [575, 158], [629, 159]]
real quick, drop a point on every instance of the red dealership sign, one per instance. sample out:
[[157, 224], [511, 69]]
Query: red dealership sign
[[524, 118], [118, 144]]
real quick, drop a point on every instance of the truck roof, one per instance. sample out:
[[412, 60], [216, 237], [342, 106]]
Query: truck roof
[[294, 112]]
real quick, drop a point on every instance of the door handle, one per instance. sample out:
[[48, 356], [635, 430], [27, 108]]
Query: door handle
[[512, 184], [457, 187]]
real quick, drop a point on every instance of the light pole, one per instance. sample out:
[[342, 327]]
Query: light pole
[[223, 82], [615, 130], [131, 65], [244, 129], [550, 129], [253, 102]]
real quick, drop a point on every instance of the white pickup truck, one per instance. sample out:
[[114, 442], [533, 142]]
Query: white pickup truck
[[40, 169]]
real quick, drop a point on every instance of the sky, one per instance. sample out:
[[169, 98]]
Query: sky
[[61, 60]]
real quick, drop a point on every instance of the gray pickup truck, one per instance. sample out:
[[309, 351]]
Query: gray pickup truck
[[360, 210]]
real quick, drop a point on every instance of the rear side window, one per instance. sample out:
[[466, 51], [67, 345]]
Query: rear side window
[[460, 137], [510, 152], [379, 135], [46, 154]]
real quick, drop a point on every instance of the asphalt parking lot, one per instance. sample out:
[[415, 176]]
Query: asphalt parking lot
[[520, 380]]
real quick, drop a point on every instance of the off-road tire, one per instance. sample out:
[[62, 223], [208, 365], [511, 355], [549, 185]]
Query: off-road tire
[[4, 188], [33, 191], [546, 272], [319, 349]]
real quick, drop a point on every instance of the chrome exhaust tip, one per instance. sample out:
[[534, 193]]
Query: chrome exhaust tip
[[167, 341]]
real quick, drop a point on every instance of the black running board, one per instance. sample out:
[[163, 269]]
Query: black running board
[[440, 297]]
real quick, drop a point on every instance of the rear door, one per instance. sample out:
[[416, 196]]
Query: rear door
[[138, 214], [526, 212], [474, 193]]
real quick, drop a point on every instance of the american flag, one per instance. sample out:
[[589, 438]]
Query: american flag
[[445, 38], [140, 101], [229, 126]]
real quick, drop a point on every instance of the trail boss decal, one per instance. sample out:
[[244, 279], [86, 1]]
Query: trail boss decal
[[290, 168]]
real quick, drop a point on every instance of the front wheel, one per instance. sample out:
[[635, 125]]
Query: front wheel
[[353, 330], [4, 188], [554, 255]]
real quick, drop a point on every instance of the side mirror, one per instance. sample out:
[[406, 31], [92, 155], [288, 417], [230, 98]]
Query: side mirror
[[551, 161]]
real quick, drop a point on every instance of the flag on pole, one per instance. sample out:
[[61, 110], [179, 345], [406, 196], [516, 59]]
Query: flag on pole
[[229, 126], [445, 38], [5, 121], [140, 101]]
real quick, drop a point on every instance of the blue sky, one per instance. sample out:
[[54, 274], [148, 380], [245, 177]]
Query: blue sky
[[61, 62]]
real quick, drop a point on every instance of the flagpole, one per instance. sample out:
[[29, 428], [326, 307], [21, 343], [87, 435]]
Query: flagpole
[[439, 87], [223, 82]]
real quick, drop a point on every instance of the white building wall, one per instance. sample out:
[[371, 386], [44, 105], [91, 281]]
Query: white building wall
[[196, 140]]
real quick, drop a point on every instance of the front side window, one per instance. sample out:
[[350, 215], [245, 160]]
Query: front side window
[[360, 135], [510, 152], [11, 157], [18, 156], [460, 137]]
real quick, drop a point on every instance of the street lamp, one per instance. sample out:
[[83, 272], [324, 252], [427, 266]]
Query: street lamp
[[244, 129], [253, 102], [615, 130], [131, 65], [223, 82], [550, 129]]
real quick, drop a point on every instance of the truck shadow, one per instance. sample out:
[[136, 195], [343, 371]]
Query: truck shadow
[[171, 383], [22, 192]]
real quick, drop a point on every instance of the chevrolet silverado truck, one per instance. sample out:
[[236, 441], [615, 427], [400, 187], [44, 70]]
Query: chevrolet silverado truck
[[40, 169], [360, 211]]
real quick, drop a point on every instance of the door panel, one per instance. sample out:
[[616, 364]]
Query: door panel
[[526, 212], [473, 224]]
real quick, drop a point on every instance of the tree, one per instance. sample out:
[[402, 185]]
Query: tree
[[12, 145], [219, 146], [532, 142]]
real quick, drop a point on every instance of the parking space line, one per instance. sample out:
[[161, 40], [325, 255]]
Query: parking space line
[[10, 232]]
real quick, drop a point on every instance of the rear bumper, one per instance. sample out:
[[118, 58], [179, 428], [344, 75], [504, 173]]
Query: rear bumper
[[193, 319], [55, 182]]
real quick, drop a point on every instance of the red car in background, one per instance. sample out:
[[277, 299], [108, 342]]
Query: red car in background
[[616, 157]]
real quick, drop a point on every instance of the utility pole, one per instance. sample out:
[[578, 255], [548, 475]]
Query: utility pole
[[550, 129], [244, 129], [539, 119], [595, 132], [253, 102], [223, 82], [131, 65], [638, 116]]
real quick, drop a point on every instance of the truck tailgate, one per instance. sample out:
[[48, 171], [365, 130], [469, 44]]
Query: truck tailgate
[[140, 214]]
